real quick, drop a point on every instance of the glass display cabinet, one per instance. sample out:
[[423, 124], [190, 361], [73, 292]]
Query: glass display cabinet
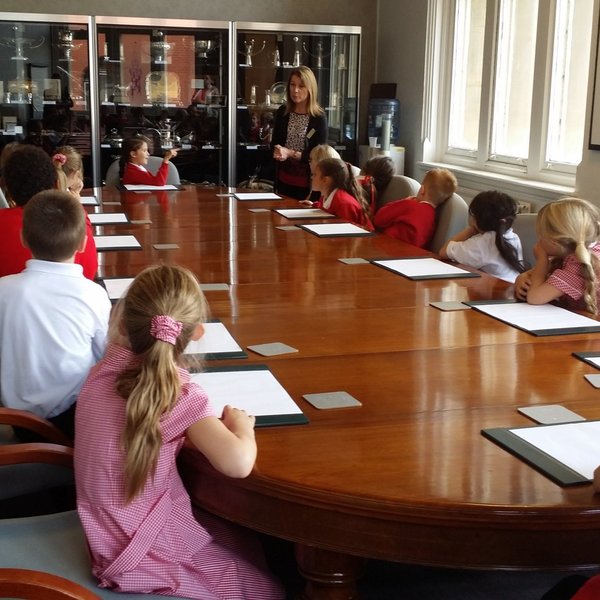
[[167, 80], [265, 55], [45, 83]]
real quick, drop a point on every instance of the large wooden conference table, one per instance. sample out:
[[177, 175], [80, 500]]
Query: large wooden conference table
[[407, 476]]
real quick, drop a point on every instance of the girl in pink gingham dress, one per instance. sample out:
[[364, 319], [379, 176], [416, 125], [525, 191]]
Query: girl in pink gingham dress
[[133, 414], [567, 257]]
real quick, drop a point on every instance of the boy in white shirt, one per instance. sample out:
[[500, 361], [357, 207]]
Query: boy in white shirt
[[53, 321]]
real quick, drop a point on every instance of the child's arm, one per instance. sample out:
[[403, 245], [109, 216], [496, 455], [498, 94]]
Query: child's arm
[[539, 291], [465, 234], [228, 444], [597, 480], [522, 284], [169, 154]]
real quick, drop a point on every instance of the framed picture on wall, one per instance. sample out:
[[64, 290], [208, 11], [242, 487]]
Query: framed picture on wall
[[595, 118]]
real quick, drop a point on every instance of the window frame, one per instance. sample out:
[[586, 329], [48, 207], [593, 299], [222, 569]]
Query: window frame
[[438, 80]]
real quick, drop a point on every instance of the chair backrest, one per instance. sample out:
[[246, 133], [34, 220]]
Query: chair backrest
[[112, 174], [399, 187], [451, 218], [33, 585], [53, 543], [524, 227]]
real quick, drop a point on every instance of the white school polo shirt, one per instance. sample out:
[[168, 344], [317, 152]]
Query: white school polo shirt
[[53, 326], [480, 252]]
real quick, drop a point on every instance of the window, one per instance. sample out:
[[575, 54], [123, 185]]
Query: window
[[512, 78]]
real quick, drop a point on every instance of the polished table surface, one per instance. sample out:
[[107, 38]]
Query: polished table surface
[[407, 476]]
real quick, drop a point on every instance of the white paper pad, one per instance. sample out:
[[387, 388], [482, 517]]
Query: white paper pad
[[108, 218], [422, 268], [88, 200], [216, 340], [576, 445], [534, 318], [595, 360], [117, 287], [255, 391], [304, 213], [256, 196], [116, 242], [334, 229], [150, 188]]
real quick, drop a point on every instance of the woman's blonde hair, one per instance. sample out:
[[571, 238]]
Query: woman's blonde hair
[[67, 162], [151, 385], [574, 224], [308, 78]]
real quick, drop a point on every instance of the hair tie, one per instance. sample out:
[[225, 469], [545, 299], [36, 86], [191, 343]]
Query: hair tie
[[59, 158], [165, 328]]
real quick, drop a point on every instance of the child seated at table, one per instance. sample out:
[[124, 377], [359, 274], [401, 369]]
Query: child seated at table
[[27, 171], [488, 242], [340, 193], [375, 177], [53, 321], [567, 257], [134, 158], [134, 413], [412, 220], [69, 169]]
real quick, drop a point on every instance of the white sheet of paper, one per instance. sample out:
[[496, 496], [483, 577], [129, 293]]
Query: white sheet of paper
[[576, 445], [336, 229], [421, 267], [88, 200], [257, 196], [117, 287], [256, 392], [216, 340], [107, 218], [535, 318], [142, 188], [304, 213], [595, 360], [122, 242]]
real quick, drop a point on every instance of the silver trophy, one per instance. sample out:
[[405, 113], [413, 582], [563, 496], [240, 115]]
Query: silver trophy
[[66, 45], [19, 43], [159, 47], [319, 56], [250, 51], [203, 47], [296, 61]]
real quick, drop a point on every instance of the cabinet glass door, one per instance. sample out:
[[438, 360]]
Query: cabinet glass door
[[44, 83], [166, 80], [265, 59]]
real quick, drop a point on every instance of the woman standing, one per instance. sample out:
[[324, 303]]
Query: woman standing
[[300, 125]]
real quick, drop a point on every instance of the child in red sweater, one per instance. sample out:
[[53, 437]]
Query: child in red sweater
[[341, 194], [134, 158]]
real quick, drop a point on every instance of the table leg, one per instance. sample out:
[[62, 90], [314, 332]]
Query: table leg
[[329, 575]]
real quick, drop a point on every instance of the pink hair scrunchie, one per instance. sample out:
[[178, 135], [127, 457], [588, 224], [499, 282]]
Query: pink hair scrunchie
[[165, 328], [59, 158]]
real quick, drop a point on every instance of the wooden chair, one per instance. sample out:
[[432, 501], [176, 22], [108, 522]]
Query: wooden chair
[[54, 543], [154, 162], [33, 488], [35, 585]]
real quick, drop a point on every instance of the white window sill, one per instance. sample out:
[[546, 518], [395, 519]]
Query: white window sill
[[471, 182]]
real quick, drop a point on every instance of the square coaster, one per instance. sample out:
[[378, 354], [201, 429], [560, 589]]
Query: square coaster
[[214, 287], [288, 228], [272, 349], [450, 305], [332, 400], [224, 195], [594, 380], [141, 222], [165, 246], [354, 261], [259, 210]]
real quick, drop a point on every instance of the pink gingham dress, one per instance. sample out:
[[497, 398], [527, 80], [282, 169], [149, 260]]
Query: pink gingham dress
[[154, 544]]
